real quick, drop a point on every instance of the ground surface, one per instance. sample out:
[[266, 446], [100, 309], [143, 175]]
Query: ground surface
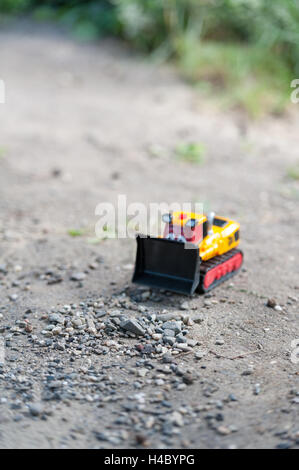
[[80, 126]]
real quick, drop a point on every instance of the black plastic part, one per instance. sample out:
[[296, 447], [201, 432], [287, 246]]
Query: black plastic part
[[167, 264], [219, 222]]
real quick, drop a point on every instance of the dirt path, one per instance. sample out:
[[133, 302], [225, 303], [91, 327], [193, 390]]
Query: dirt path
[[79, 127]]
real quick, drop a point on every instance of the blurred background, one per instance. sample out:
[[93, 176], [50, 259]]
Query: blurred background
[[245, 53], [113, 97]]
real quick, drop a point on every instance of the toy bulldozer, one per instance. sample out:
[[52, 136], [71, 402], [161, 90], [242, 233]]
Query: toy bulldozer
[[196, 253]]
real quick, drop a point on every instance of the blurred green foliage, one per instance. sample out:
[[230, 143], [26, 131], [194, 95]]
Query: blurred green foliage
[[293, 172], [192, 152], [14, 6], [245, 52]]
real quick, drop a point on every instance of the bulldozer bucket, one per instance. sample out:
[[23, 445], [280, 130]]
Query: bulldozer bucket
[[166, 264]]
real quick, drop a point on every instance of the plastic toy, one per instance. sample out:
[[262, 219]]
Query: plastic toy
[[196, 253]]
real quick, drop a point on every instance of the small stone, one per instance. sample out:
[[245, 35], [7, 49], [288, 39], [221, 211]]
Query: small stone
[[278, 308], [257, 389], [28, 328], [169, 340], [56, 318], [271, 303], [133, 326], [172, 325], [233, 428], [13, 297], [200, 354], [198, 318], [232, 397], [169, 332], [159, 382], [35, 409], [168, 316], [142, 372], [91, 326], [184, 306], [220, 342], [183, 347], [177, 419], [148, 349], [167, 359], [76, 322], [145, 295], [57, 330], [182, 387], [149, 423], [181, 338], [188, 379], [80, 276], [93, 266], [156, 336], [223, 430]]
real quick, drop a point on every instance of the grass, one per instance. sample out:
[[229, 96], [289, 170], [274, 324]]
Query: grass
[[293, 172], [2, 153], [237, 75], [191, 152], [87, 232], [242, 54], [73, 232]]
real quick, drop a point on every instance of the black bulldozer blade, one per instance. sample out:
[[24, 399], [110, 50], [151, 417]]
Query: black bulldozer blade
[[167, 264]]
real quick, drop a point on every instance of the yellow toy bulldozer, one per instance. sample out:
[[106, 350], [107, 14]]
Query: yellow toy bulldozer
[[196, 253]]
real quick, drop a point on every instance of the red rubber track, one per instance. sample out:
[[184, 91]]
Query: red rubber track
[[219, 269]]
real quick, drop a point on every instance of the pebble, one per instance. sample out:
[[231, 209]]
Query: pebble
[[271, 303], [198, 318], [169, 316], [177, 419], [223, 430], [80, 276], [257, 389], [220, 342], [56, 318], [167, 359], [181, 338], [133, 326], [13, 297], [175, 326], [142, 372], [200, 354], [188, 379], [183, 347], [35, 409], [184, 306], [168, 332]]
